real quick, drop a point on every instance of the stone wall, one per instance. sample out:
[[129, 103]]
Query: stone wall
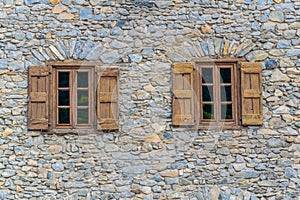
[[148, 158]]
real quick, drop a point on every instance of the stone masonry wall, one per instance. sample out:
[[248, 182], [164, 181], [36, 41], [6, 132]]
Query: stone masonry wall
[[148, 158]]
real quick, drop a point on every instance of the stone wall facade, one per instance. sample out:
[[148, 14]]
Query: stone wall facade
[[148, 158]]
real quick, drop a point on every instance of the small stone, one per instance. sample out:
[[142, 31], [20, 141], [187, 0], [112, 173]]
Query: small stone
[[117, 45], [275, 143], [277, 1], [85, 13], [169, 173], [31, 162], [146, 190], [8, 173], [54, 1], [19, 35], [205, 29], [282, 110], [271, 64], [153, 138], [278, 76], [149, 88], [287, 118], [110, 57], [135, 58], [170, 181], [58, 166], [290, 172], [59, 9], [258, 55], [289, 139], [65, 16], [293, 52], [239, 166], [142, 95], [7, 132], [284, 44], [199, 196], [56, 52], [214, 193], [277, 52], [297, 140], [223, 151], [277, 16]]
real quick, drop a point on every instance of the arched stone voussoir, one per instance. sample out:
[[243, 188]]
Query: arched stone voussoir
[[67, 49], [209, 48]]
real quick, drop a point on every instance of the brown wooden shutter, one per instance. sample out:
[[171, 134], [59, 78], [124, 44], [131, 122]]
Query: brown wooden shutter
[[251, 89], [183, 105], [107, 99], [38, 115]]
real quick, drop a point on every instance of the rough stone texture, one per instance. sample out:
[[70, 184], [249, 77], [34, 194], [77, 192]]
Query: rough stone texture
[[148, 158]]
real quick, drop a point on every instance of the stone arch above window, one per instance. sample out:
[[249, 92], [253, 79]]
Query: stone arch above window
[[213, 48], [72, 49]]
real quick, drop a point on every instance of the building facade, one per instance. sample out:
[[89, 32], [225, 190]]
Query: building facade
[[181, 99]]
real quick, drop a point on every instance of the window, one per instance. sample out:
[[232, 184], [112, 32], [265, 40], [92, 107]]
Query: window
[[217, 94], [73, 98]]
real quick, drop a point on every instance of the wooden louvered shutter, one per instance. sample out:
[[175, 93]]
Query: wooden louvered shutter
[[38, 115], [183, 105], [107, 99], [251, 89]]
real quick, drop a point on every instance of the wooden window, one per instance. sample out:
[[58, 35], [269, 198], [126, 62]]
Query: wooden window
[[74, 97], [223, 94], [80, 99], [217, 93]]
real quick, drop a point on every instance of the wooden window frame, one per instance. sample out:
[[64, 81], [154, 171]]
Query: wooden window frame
[[73, 127], [217, 123]]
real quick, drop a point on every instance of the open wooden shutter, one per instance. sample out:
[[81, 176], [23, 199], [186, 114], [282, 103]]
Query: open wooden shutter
[[107, 99], [251, 89], [38, 116], [183, 105]]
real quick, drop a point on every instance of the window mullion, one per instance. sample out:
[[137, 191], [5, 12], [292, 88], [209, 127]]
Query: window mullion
[[74, 101], [217, 93]]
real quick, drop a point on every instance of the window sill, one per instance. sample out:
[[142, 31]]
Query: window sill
[[219, 127]]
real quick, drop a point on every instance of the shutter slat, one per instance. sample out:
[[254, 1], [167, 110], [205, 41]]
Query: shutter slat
[[38, 113], [107, 99], [251, 87], [251, 93], [183, 105], [38, 96], [183, 94]]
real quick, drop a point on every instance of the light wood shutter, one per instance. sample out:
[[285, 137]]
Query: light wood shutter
[[38, 115], [107, 99], [251, 89], [183, 105]]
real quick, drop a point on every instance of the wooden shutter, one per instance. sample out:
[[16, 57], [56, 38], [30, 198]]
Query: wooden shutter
[[183, 105], [38, 115], [251, 89], [107, 99]]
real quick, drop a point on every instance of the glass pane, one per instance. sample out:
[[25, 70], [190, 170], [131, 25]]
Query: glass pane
[[226, 111], [82, 79], [226, 93], [208, 111], [64, 115], [63, 98], [225, 75], [207, 75], [207, 93], [82, 116], [63, 79], [82, 98]]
